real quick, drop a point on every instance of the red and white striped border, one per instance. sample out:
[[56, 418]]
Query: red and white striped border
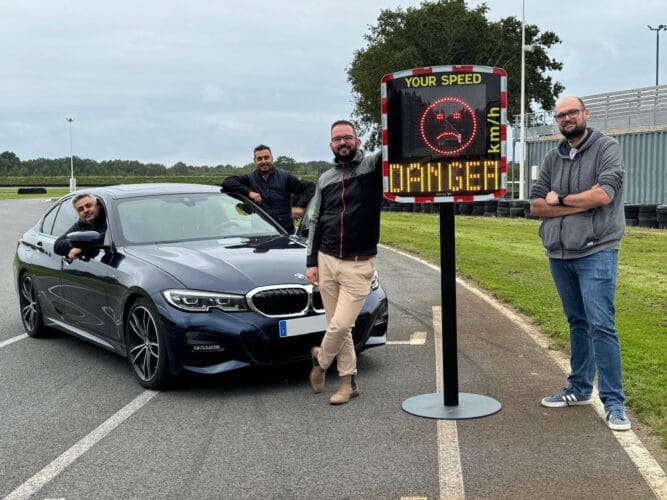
[[503, 133]]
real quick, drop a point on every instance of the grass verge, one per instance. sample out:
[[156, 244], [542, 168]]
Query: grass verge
[[9, 193], [505, 257]]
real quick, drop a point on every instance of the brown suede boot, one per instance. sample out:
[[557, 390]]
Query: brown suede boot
[[346, 391], [317, 373]]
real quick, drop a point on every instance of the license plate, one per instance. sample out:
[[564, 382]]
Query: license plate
[[302, 326]]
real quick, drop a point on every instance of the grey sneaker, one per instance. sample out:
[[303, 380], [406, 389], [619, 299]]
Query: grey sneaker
[[617, 421], [566, 398]]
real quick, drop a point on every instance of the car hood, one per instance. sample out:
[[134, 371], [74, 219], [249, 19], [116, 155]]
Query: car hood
[[233, 265]]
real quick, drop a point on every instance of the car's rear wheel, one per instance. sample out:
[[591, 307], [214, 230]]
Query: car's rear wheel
[[146, 347], [31, 314]]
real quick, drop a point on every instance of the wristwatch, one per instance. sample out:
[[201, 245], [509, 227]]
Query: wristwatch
[[561, 198]]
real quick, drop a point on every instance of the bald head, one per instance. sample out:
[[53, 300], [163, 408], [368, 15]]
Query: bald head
[[569, 102]]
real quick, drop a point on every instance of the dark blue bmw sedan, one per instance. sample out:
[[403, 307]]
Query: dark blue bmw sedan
[[186, 278]]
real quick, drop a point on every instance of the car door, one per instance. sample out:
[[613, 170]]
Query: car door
[[45, 264], [87, 287]]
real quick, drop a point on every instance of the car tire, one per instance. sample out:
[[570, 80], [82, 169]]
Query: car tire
[[145, 345], [31, 313]]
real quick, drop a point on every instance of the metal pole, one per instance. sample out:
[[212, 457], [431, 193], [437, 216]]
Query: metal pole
[[72, 181], [450, 373], [523, 103], [657, 54], [513, 167], [456, 405], [657, 48]]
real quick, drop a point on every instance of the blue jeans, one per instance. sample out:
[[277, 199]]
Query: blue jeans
[[586, 287]]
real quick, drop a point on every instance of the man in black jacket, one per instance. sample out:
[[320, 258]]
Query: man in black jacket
[[272, 189], [91, 218], [343, 235]]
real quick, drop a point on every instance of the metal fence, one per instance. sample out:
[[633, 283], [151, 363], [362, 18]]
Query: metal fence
[[628, 109], [644, 162]]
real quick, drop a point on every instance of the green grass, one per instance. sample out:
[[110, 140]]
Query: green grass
[[9, 193], [505, 257]]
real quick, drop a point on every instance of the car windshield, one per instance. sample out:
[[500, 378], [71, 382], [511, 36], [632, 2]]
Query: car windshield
[[185, 217]]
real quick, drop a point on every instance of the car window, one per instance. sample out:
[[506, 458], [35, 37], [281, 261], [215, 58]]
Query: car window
[[181, 217], [47, 222], [65, 217], [302, 230]]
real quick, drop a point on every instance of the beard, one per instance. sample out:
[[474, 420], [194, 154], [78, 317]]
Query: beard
[[345, 157], [577, 131]]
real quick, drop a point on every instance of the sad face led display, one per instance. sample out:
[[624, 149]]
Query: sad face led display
[[444, 134], [448, 126]]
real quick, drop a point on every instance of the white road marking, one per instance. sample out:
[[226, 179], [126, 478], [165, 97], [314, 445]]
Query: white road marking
[[449, 456], [417, 338], [13, 339], [48, 473], [646, 465]]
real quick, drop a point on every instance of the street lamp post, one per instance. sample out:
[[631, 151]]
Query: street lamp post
[[522, 158], [72, 180], [657, 47], [522, 115]]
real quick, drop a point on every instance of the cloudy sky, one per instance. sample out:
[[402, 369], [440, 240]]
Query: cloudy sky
[[203, 81]]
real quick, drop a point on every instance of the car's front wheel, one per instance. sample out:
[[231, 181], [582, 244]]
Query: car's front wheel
[[146, 347], [31, 314]]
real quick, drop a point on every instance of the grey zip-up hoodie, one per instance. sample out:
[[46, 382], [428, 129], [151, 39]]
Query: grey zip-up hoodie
[[597, 161]]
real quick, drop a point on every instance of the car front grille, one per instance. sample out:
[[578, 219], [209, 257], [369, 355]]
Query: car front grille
[[316, 300], [285, 301]]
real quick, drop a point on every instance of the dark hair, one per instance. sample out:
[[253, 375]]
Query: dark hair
[[344, 122], [261, 147], [84, 195]]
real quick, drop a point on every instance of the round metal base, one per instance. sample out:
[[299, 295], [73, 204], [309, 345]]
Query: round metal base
[[432, 406]]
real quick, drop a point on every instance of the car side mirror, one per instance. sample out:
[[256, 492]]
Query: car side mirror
[[243, 209], [85, 239]]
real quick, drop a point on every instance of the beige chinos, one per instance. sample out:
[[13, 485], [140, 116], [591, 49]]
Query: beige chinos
[[344, 286]]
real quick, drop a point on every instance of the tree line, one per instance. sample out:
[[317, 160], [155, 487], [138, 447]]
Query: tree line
[[12, 166]]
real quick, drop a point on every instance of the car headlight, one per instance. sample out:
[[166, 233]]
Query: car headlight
[[196, 301]]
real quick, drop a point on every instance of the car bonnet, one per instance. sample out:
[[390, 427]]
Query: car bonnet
[[225, 265]]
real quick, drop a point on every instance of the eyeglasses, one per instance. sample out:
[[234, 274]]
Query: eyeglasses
[[341, 138], [572, 113], [85, 206]]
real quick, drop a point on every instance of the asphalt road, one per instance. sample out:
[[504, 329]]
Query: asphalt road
[[75, 424]]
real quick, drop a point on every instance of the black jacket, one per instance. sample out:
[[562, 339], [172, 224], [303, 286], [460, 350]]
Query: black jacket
[[276, 192], [346, 217]]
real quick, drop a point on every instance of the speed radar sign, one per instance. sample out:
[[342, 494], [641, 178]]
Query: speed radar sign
[[444, 134]]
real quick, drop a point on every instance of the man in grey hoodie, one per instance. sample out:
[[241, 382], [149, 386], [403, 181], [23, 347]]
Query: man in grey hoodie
[[579, 196]]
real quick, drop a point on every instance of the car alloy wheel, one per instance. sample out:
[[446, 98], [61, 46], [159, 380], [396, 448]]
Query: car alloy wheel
[[31, 315], [146, 349]]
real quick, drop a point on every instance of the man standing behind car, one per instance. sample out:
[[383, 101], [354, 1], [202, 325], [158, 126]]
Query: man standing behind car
[[272, 188], [91, 218], [343, 234]]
